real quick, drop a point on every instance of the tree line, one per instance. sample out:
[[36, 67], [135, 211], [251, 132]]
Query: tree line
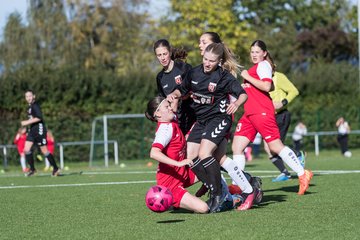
[[84, 60]]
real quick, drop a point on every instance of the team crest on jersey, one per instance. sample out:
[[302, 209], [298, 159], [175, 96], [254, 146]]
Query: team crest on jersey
[[178, 79], [212, 87]]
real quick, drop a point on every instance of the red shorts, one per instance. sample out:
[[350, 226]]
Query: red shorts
[[263, 123], [176, 180]]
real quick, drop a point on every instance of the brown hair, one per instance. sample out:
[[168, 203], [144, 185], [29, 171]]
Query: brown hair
[[176, 53], [268, 57], [152, 105]]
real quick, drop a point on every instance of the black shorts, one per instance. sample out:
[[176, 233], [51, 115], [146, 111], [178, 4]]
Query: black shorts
[[37, 135], [283, 119], [214, 130]]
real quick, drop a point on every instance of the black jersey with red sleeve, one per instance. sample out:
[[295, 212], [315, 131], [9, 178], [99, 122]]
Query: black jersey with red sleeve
[[210, 91]]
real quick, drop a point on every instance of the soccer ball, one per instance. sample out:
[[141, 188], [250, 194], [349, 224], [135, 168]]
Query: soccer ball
[[158, 198]]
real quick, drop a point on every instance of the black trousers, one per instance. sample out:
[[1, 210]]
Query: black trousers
[[343, 141]]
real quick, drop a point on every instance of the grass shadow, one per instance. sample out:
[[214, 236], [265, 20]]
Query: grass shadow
[[172, 221]]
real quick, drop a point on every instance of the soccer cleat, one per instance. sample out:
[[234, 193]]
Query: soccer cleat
[[281, 178], [39, 157], [216, 203], [56, 172], [302, 157], [26, 170], [46, 169], [304, 182], [30, 173], [202, 191], [256, 183], [248, 202]]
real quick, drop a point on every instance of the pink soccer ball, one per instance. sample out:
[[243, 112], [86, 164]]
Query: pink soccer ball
[[158, 198]]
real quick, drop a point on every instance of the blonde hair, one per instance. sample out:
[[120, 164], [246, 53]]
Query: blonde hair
[[228, 60]]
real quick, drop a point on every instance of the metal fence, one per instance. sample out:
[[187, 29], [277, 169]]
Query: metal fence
[[62, 145]]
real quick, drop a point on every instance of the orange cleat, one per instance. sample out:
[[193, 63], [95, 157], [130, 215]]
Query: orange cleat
[[304, 182]]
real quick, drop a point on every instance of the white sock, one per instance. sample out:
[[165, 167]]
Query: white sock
[[23, 162], [240, 161], [290, 158], [237, 175], [47, 163]]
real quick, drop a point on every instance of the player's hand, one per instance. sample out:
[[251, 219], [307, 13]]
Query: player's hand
[[245, 74], [23, 123], [185, 162], [232, 108], [277, 105], [171, 98]]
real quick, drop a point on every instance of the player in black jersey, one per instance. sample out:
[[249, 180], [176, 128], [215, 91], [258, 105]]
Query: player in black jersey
[[36, 134], [230, 165], [171, 77], [210, 86]]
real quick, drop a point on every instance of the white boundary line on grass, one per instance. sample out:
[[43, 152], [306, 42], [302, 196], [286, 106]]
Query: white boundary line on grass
[[321, 172]]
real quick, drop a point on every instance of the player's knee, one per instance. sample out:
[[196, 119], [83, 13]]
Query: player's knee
[[203, 208], [204, 154]]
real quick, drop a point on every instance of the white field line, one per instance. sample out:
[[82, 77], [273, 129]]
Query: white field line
[[320, 172]]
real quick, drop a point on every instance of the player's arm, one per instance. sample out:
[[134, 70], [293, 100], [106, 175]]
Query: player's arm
[[30, 121], [158, 155], [262, 85], [236, 90], [288, 87]]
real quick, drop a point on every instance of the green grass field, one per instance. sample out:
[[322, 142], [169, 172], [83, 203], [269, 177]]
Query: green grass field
[[109, 204]]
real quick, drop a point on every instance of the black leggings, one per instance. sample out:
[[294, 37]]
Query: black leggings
[[343, 141]]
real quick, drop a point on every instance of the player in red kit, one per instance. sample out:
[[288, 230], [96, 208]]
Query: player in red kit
[[19, 141], [259, 115]]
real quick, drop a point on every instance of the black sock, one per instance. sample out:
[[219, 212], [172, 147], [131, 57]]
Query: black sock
[[212, 168], [30, 160], [51, 160], [279, 163], [200, 171]]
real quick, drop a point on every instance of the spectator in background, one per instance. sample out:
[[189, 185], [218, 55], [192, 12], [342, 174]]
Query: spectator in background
[[343, 133], [19, 141], [297, 136]]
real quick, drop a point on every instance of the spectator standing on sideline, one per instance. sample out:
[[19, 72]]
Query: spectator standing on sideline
[[343, 136], [300, 130], [19, 141]]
